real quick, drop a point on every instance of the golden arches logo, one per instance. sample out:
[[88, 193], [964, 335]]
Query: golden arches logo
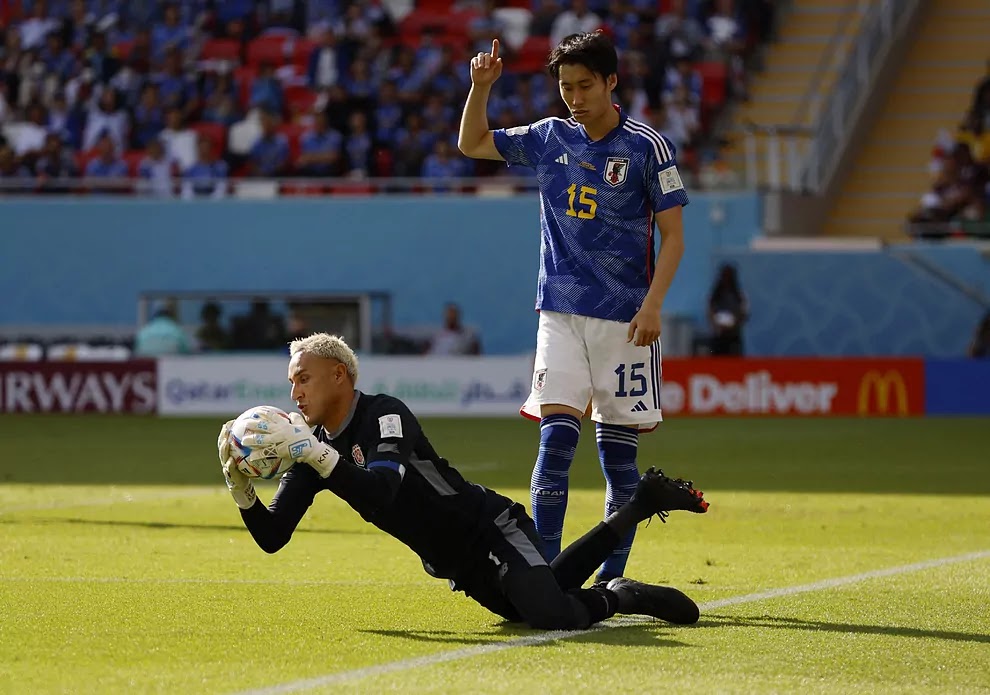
[[883, 385]]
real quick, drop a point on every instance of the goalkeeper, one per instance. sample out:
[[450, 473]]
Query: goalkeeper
[[370, 451]]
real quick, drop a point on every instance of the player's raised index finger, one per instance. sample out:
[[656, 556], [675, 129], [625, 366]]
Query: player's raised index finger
[[494, 49]]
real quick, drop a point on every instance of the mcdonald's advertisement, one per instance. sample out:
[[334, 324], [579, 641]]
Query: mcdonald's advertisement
[[799, 387]]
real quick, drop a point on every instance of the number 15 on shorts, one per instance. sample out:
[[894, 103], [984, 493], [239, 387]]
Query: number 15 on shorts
[[636, 379]]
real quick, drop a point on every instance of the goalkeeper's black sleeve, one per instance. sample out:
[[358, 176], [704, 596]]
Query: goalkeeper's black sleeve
[[272, 526], [366, 490]]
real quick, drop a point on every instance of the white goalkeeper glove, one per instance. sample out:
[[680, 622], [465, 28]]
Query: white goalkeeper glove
[[293, 440], [239, 484]]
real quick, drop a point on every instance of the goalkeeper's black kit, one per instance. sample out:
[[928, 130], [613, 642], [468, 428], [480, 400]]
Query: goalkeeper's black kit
[[485, 544]]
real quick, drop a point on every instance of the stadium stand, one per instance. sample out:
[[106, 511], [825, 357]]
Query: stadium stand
[[932, 91], [220, 64]]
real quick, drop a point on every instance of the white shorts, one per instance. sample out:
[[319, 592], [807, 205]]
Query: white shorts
[[582, 361]]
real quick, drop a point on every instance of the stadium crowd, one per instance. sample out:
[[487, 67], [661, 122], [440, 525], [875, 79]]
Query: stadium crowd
[[958, 202], [199, 91]]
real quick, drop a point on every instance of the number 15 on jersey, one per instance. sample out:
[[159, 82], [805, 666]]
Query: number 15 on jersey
[[586, 203]]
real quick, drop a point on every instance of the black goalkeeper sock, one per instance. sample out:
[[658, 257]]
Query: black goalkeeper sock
[[600, 602], [578, 561]]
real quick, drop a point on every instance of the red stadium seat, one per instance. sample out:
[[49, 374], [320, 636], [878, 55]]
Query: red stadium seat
[[122, 49], [266, 49], [221, 49], [83, 158], [301, 50], [299, 99], [384, 162], [416, 21], [435, 5], [714, 78], [292, 131], [532, 55], [244, 77], [216, 132], [133, 158]]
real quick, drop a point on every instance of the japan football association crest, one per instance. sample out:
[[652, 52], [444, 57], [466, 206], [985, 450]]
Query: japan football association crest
[[616, 170], [357, 455], [539, 379]]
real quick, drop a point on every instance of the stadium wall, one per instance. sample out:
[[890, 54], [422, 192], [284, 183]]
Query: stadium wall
[[85, 261], [912, 301]]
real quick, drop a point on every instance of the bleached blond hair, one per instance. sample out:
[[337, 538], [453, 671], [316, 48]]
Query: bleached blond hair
[[331, 347]]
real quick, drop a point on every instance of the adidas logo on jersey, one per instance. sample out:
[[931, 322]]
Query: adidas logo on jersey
[[639, 407], [562, 159]]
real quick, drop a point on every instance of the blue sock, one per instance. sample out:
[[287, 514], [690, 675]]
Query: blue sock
[[548, 487], [617, 447]]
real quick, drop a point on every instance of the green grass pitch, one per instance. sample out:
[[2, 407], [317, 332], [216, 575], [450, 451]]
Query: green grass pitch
[[124, 568]]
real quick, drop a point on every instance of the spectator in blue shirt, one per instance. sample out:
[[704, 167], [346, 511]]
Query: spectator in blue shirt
[[442, 164], [58, 61], [208, 176], [169, 34], [106, 164], [149, 118], [221, 101], [320, 149], [162, 335], [78, 26], [266, 91], [359, 84], [270, 154], [388, 114], [175, 86], [413, 143], [156, 170], [358, 145]]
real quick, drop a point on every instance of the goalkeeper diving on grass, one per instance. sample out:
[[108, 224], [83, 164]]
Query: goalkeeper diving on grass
[[371, 451]]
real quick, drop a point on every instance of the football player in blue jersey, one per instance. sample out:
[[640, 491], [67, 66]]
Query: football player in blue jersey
[[604, 180]]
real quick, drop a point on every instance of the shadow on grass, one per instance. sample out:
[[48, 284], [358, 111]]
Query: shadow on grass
[[714, 621], [168, 525], [635, 635]]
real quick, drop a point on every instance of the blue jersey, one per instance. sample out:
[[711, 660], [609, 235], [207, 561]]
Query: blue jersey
[[597, 201]]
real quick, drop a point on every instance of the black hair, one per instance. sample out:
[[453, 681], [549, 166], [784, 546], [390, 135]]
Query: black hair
[[594, 51]]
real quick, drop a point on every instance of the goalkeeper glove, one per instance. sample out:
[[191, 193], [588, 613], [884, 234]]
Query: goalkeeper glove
[[294, 440], [239, 484]]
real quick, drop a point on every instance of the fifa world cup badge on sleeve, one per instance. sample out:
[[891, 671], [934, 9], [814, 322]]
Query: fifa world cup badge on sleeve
[[670, 180], [390, 426]]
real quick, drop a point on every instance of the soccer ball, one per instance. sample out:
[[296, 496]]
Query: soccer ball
[[262, 462]]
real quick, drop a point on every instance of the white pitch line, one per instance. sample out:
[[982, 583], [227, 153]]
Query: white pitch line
[[544, 637], [195, 580], [126, 498]]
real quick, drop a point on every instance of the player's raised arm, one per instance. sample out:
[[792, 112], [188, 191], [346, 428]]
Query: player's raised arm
[[475, 138]]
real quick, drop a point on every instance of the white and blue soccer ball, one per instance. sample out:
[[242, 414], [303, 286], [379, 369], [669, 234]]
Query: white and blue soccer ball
[[257, 462]]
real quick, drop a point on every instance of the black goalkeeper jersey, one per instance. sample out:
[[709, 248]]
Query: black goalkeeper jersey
[[391, 475]]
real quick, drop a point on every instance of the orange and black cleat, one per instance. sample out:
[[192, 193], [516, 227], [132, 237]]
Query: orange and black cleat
[[657, 494]]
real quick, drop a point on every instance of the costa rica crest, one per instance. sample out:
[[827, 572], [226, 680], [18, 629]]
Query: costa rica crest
[[357, 455], [616, 170]]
